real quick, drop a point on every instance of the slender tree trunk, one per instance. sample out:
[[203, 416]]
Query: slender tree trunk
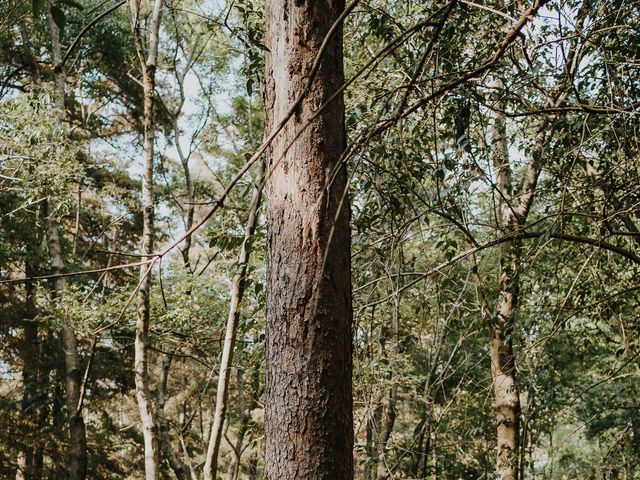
[[245, 412], [184, 160], [77, 466], [143, 389], [511, 216], [384, 432], [237, 291], [180, 470], [373, 414], [144, 398], [41, 405], [58, 469], [392, 394], [505, 388], [369, 446], [252, 463], [426, 450], [27, 458], [308, 404], [30, 358]]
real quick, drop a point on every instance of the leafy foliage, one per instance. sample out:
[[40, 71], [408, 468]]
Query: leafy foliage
[[425, 234]]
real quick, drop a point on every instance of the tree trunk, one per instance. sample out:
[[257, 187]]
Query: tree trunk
[[426, 451], [369, 445], [143, 390], [40, 412], [511, 216], [237, 291], [392, 395], [144, 398], [30, 358], [180, 470], [245, 412], [507, 399], [27, 457], [77, 466], [308, 404], [191, 195]]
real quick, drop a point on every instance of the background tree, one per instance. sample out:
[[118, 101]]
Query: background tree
[[434, 91]]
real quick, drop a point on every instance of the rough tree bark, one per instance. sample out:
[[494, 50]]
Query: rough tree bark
[[308, 404], [143, 390], [237, 291]]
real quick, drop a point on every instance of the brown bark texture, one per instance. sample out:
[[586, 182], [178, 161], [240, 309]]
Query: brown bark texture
[[308, 405]]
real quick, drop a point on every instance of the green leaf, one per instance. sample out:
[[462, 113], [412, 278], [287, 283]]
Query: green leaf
[[73, 4], [38, 7], [58, 17]]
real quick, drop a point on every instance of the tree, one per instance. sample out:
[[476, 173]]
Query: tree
[[493, 168], [308, 404], [148, 64]]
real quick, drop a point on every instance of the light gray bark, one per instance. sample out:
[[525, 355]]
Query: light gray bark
[[512, 211], [144, 398], [505, 388]]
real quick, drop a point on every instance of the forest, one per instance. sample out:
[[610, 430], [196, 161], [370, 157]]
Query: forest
[[319, 240]]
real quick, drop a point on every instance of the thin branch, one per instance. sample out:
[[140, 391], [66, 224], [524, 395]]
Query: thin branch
[[509, 238], [60, 66]]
